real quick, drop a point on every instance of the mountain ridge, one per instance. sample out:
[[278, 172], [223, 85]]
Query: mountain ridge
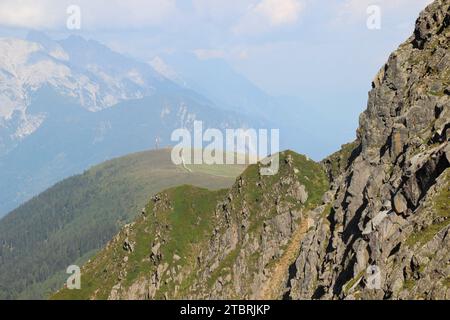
[[73, 219], [171, 251]]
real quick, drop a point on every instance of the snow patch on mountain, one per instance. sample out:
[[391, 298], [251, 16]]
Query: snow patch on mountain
[[28, 65], [28, 125]]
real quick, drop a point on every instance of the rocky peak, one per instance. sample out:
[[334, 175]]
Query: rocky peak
[[387, 208], [411, 91], [434, 20]]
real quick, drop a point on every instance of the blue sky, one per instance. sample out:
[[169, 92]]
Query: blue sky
[[320, 51]]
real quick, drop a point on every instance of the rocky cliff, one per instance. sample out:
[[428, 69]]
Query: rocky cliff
[[387, 233], [377, 228]]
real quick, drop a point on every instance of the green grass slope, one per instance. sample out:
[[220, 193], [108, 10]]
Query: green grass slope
[[70, 221], [186, 222]]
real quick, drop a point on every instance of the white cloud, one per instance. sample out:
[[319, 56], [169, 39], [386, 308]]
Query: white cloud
[[102, 14], [267, 14], [29, 14], [279, 12]]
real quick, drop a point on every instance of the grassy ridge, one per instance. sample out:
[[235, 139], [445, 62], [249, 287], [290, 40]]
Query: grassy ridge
[[69, 222], [186, 223], [180, 222]]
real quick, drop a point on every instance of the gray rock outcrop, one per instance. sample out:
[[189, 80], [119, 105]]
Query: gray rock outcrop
[[388, 234]]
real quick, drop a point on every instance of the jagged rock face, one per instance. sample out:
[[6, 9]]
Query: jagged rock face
[[258, 230], [390, 213]]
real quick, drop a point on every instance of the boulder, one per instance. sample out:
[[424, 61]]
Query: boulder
[[400, 204], [299, 193]]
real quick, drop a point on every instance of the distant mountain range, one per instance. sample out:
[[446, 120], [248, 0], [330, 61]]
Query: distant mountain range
[[232, 91], [66, 105]]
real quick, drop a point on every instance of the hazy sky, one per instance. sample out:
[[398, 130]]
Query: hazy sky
[[318, 50]]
